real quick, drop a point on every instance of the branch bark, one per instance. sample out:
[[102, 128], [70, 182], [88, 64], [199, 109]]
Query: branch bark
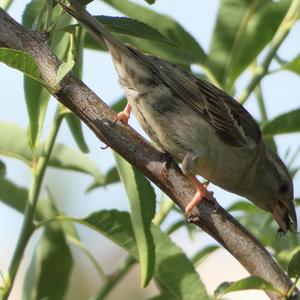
[[75, 95]]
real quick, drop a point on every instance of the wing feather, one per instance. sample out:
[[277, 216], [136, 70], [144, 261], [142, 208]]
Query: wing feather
[[232, 122]]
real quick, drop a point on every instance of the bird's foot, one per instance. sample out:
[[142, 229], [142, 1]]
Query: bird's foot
[[124, 115], [202, 193]]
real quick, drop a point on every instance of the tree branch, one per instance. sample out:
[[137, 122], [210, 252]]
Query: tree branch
[[75, 95]]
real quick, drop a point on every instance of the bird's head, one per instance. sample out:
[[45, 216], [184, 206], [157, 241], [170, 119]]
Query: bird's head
[[275, 193]]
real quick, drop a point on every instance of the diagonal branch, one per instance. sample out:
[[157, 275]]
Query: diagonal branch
[[75, 95]]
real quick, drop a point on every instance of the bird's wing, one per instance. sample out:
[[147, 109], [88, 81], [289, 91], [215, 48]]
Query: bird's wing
[[232, 122]]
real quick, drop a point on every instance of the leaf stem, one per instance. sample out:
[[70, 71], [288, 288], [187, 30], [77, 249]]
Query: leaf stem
[[114, 278], [164, 211], [58, 218], [261, 103], [37, 173], [82, 247], [287, 23]]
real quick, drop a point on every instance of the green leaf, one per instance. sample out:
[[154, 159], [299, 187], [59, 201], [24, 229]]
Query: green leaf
[[286, 123], [32, 11], [16, 197], [184, 284], [284, 256], [153, 44], [37, 98], [203, 253], [231, 33], [142, 203], [74, 124], [46, 210], [60, 41], [294, 265], [75, 53], [2, 168], [248, 283], [133, 27], [5, 4], [63, 70], [66, 158], [116, 226], [294, 65], [12, 195], [14, 144], [21, 61], [230, 16], [169, 27], [259, 31], [119, 105], [243, 206], [78, 37], [50, 268], [112, 176]]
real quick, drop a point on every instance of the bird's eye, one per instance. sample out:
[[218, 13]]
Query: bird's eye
[[283, 188]]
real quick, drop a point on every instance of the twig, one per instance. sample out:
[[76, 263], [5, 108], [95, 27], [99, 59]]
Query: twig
[[261, 103], [118, 274]]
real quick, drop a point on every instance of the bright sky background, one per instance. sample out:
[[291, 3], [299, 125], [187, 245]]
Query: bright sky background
[[281, 91]]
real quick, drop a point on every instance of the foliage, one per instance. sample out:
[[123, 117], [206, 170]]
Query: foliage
[[245, 32]]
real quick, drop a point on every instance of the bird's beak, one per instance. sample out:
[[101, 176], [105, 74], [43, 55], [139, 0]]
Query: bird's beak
[[285, 216]]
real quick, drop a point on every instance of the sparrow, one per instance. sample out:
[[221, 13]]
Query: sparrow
[[198, 125]]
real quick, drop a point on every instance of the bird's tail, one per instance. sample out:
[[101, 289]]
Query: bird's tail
[[95, 28]]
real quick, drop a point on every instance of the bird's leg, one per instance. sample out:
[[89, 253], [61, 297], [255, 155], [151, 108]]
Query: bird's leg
[[188, 168], [201, 193], [124, 115]]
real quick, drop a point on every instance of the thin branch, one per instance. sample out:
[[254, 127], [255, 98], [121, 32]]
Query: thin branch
[[261, 103], [75, 95], [115, 278], [165, 208]]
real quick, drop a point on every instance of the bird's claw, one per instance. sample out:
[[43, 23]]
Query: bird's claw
[[123, 117], [195, 201]]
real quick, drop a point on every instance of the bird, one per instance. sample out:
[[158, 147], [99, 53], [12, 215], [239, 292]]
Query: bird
[[198, 125]]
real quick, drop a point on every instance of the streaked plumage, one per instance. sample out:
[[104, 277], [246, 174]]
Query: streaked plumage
[[199, 125]]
